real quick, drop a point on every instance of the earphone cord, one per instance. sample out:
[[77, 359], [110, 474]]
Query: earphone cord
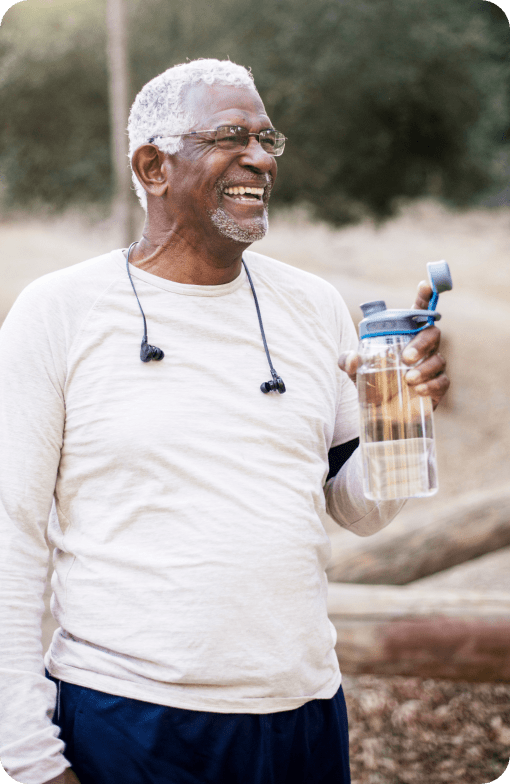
[[273, 371], [136, 295]]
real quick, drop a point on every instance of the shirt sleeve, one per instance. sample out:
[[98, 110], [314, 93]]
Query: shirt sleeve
[[32, 413], [347, 412], [348, 506]]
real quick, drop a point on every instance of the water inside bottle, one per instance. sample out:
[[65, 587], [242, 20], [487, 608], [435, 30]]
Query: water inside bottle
[[397, 437], [399, 469]]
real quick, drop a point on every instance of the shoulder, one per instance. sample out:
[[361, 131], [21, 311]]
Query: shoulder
[[77, 282], [288, 276], [57, 303], [303, 287], [68, 293]]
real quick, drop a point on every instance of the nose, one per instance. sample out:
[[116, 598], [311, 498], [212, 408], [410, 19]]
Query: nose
[[255, 158]]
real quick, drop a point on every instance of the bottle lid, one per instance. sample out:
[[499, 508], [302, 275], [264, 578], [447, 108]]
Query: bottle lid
[[378, 319], [439, 276]]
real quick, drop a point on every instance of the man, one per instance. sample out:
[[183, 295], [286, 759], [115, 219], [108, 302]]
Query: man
[[189, 553]]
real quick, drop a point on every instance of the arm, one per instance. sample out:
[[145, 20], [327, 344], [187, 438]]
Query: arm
[[31, 422], [346, 502]]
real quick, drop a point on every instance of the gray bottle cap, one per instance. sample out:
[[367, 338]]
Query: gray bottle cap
[[379, 319], [373, 307], [440, 276]]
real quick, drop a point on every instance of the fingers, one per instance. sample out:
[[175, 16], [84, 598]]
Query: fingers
[[420, 347], [426, 370], [423, 296], [349, 362], [429, 379], [436, 388]]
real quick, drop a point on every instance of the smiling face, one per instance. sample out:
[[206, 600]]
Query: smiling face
[[219, 190]]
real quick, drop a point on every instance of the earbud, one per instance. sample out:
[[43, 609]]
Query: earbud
[[275, 385], [148, 352]]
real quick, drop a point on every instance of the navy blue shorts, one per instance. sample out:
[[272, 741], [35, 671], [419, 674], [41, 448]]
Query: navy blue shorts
[[115, 739]]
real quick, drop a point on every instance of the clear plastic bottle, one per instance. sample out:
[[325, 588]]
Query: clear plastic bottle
[[397, 426]]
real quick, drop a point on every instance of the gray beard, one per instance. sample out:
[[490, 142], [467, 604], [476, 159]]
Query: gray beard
[[227, 227]]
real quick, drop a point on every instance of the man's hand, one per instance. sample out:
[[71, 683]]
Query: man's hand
[[427, 376], [67, 777]]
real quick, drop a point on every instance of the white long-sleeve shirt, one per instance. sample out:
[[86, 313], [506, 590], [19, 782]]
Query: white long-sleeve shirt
[[189, 549]]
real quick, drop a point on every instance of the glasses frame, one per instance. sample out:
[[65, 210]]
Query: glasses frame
[[275, 154]]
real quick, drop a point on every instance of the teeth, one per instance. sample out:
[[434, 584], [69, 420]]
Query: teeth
[[240, 190]]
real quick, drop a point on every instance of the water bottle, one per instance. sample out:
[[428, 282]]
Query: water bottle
[[397, 426]]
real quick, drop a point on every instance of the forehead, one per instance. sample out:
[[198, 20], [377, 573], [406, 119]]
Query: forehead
[[218, 104]]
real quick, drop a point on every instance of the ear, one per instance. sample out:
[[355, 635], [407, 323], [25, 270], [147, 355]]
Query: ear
[[151, 167]]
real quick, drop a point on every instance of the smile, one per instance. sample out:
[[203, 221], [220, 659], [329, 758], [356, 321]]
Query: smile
[[244, 193]]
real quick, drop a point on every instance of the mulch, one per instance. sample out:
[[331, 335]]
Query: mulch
[[407, 730]]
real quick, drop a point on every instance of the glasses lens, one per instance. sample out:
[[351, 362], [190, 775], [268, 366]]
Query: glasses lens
[[235, 138], [272, 142], [231, 137]]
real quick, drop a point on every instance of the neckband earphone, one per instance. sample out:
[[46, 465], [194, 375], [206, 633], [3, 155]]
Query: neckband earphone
[[148, 352]]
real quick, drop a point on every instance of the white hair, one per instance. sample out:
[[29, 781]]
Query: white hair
[[158, 108]]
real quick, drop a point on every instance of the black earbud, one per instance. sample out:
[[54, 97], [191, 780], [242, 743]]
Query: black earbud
[[148, 352], [275, 385]]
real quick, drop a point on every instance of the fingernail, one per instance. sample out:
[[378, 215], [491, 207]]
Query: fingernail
[[410, 354], [412, 375], [421, 389]]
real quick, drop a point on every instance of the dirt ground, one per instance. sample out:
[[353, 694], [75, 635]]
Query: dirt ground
[[410, 731], [402, 730]]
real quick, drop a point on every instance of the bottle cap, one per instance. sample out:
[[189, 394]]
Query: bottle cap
[[439, 276], [379, 320]]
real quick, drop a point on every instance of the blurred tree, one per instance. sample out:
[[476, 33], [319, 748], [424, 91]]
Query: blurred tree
[[380, 99], [54, 137]]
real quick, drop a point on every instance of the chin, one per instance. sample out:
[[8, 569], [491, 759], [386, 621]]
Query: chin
[[255, 230]]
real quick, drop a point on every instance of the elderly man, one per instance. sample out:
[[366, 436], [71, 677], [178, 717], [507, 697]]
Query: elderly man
[[194, 644]]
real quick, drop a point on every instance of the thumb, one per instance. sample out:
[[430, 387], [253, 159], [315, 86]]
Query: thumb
[[349, 362]]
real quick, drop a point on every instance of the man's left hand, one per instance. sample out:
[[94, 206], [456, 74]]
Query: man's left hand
[[427, 376]]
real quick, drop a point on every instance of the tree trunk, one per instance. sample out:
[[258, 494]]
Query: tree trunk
[[119, 111], [476, 526], [430, 634]]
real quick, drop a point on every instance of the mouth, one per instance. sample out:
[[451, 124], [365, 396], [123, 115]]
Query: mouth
[[254, 194], [244, 193]]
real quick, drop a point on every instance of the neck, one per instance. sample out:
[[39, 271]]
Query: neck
[[168, 254]]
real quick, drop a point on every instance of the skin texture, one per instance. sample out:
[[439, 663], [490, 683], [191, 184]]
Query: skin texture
[[67, 777], [428, 378], [181, 239]]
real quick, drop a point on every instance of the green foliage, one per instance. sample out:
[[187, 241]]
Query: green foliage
[[380, 99], [54, 139]]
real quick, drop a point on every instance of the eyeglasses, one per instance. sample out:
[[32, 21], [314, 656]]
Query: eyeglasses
[[235, 138]]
